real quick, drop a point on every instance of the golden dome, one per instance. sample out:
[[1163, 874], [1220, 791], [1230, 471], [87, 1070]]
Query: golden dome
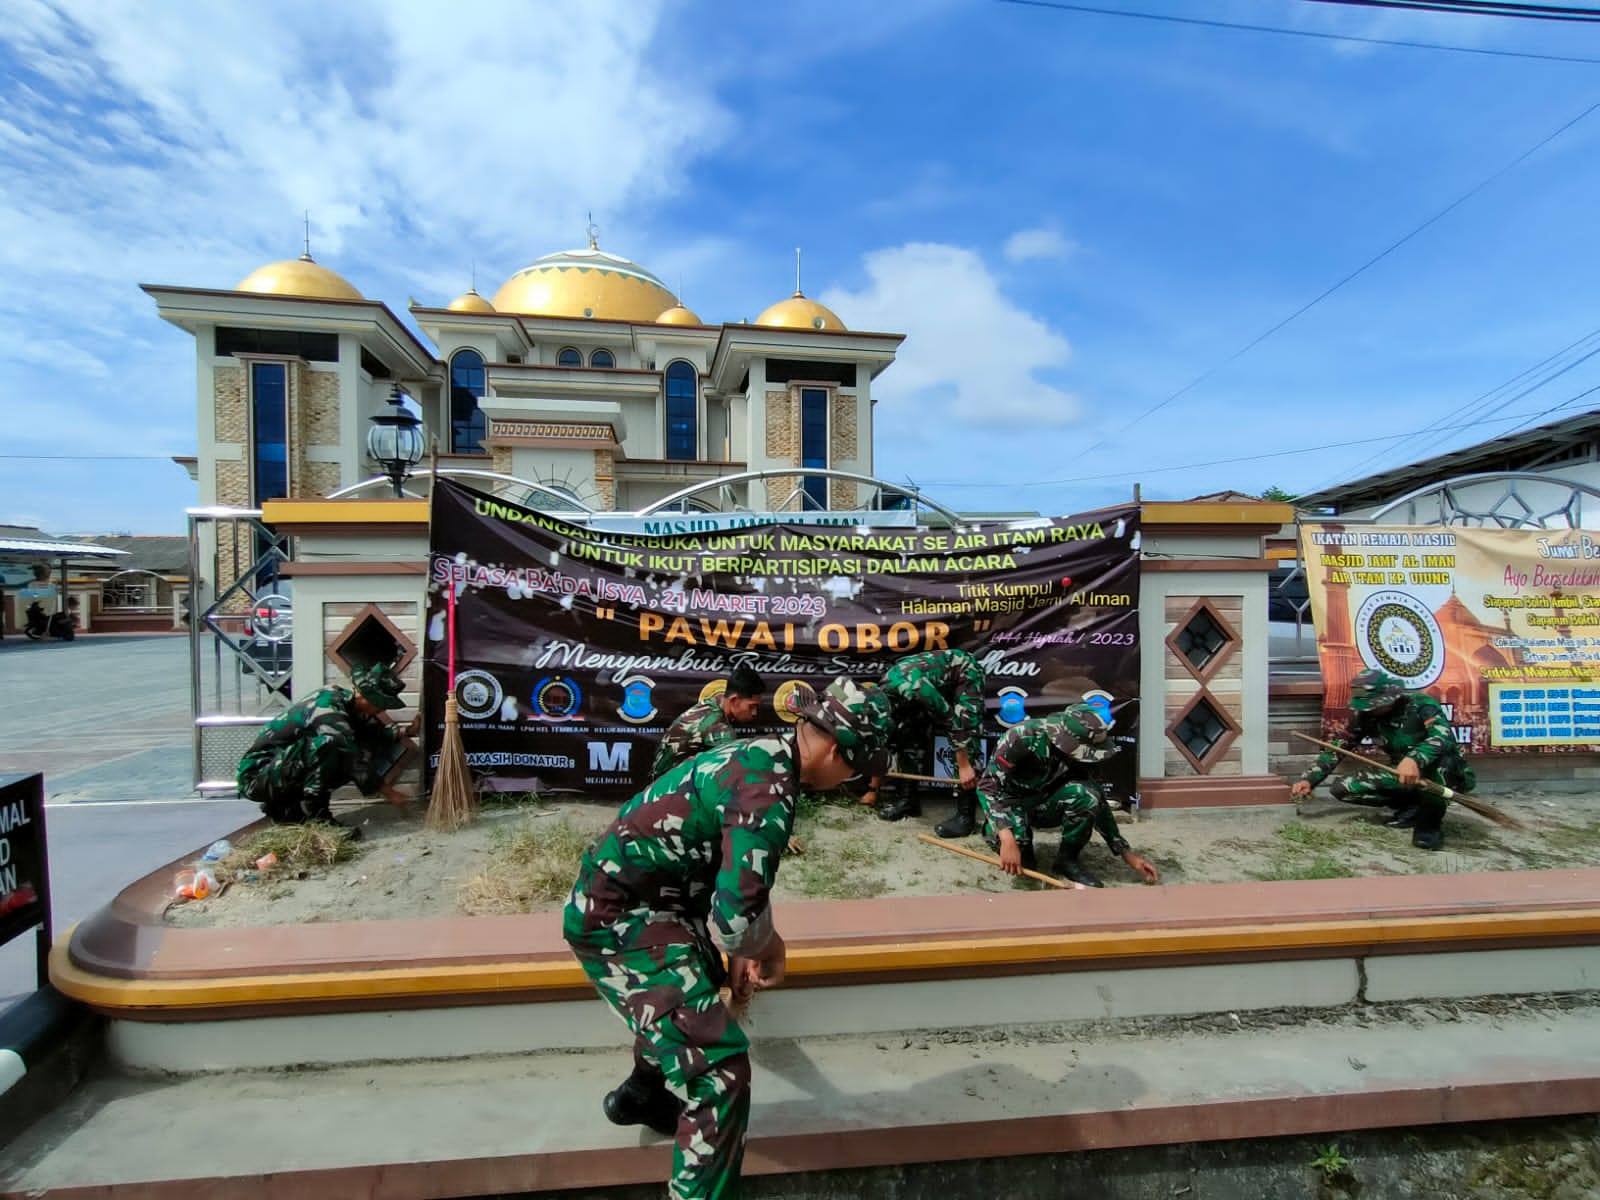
[[678, 315], [301, 276], [471, 302], [585, 283], [799, 313]]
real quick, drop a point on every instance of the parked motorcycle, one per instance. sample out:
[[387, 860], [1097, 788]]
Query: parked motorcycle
[[38, 626]]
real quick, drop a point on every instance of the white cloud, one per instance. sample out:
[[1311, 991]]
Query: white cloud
[[1028, 244], [968, 349]]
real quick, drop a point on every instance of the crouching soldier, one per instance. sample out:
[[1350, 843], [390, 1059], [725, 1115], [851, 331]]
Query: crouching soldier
[[710, 722], [683, 875], [944, 689], [1414, 731], [323, 742], [1041, 777]]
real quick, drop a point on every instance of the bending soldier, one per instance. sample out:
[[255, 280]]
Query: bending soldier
[[683, 875], [1414, 732], [330, 738], [1041, 776], [709, 723], [943, 688]]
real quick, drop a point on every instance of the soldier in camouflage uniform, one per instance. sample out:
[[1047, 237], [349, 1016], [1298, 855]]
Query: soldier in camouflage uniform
[[710, 722], [1414, 731], [330, 738], [943, 688], [1041, 776], [683, 875]]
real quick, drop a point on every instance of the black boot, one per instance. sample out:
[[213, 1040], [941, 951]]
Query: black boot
[[902, 806], [965, 820], [1427, 834], [641, 1100], [1403, 818], [1069, 868]]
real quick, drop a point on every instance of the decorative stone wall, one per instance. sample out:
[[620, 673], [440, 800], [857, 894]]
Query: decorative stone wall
[[844, 446], [500, 458], [233, 484], [320, 479], [319, 408], [1221, 683], [783, 427], [605, 482], [230, 411]]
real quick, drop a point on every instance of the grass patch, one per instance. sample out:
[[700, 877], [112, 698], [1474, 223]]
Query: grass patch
[[300, 848], [488, 799], [529, 864], [1321, 867], [1297, 833], [1571, 838], [842, 873]]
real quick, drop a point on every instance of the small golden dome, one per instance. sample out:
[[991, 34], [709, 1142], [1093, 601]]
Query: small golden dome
[[799, 313], [301, 276], [678, 315], [585, 283], [471, 302]]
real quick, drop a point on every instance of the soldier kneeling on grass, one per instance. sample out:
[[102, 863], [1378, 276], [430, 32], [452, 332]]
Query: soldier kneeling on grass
[[1042, 775], [1413, 729], [329, 739]]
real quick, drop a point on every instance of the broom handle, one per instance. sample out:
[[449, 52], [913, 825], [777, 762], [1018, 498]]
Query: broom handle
[[920, 778], [1437, 789], [992, 861], [450, 633]]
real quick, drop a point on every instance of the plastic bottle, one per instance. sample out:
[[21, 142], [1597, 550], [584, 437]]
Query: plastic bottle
[[217, 851], [204, 883]]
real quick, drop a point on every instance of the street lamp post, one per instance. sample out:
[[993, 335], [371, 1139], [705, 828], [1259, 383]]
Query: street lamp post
[[394, 441]]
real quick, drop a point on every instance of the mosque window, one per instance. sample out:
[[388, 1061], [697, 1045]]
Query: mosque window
[[814, 443], [602, 358], [468, 426], [290, 343], [269, 431], [569, 357], [683, 386]]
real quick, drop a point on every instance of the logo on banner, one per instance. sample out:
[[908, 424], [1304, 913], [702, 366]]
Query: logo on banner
[[610, 758], [715, 688], [478, 694], [1012, 706], [1398, 634], [557, 697], [638, 699], [791, 694]]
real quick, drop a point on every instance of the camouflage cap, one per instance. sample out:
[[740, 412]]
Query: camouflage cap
[[379, 685], [854, 716], [1081, 732], [1373, 690]]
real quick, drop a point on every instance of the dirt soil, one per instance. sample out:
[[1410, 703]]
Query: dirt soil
[[403, 871]]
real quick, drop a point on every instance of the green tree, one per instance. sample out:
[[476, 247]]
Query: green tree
[[1277, 493]]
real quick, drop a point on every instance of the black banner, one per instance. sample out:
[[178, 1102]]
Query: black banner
[[575, 649], [24, 877]]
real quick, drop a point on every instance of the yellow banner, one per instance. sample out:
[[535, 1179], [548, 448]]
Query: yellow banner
[[1502, 625]]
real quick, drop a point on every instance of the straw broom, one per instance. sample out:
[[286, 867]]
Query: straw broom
[[454, 800]]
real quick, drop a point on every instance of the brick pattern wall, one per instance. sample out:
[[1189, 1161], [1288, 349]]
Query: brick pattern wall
[[605, 482], [319, 479], [500, 457], [233, 484], [844, 446], [319, 409], [1223, 688], [783, 427], [229, 410]]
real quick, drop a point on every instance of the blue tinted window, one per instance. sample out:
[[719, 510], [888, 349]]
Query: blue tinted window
[[468, 426], [569, 358], [602, 358], [814, 443], [269, 430], [682, 411]]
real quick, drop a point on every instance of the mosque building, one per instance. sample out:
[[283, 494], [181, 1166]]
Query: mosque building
[[583, 373]]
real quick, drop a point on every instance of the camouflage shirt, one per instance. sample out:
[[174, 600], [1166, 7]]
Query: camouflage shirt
[[329, 713], [697, 849], [1416, 728], [697, 729], [947, 685], [1025, 773]]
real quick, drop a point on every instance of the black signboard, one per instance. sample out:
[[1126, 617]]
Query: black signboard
[[24, 863]]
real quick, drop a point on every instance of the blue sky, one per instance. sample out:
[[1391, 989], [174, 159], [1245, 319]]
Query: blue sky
[[1070, 216]]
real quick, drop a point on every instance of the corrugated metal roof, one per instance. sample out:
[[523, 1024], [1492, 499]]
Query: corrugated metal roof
[[58, 549]]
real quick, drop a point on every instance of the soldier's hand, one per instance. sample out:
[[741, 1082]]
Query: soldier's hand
[[1299, 789], [1010, 853], [870, 796], [1408, 772], [414, 726], [773, 963], [1145, 869], [968, 776]]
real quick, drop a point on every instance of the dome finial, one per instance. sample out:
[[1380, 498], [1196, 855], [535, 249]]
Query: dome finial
[[593, 231], [306, 254], [797, 290]]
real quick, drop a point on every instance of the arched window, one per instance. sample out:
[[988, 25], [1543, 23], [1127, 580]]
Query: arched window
[[602, 358], [683, 387], [569, 357], [468, 426]]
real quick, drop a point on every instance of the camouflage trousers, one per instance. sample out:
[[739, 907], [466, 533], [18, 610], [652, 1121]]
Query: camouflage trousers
[[669, 997], [1071, 807], [292, 783], [1378, 789]]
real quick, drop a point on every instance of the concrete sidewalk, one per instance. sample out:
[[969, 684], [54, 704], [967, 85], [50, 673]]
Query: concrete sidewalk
[[532, 1123]]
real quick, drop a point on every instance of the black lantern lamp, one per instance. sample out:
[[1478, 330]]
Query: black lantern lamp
[[394, 440]]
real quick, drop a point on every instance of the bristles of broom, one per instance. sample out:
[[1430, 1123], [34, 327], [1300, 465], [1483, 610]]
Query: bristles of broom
[[454, 800]]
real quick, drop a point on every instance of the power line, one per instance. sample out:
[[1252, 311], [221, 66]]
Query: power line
[[92, 457], [1359, 271], [1319, 35], [1480, 8]]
